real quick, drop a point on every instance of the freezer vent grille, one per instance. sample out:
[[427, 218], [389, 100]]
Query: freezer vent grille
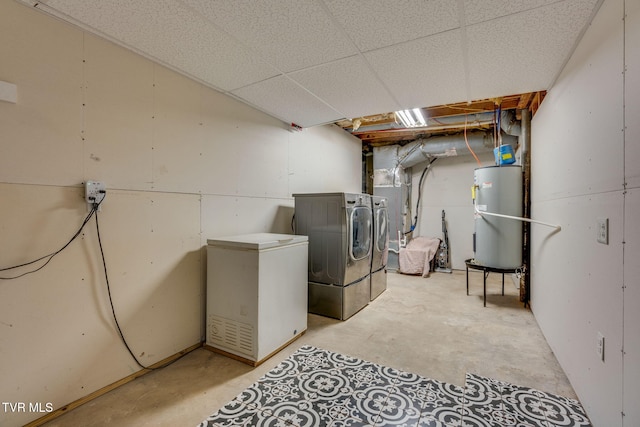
[[230, 334]]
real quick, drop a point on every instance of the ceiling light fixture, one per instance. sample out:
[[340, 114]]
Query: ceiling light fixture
[[419, 117], [403, 118], [411, 118]]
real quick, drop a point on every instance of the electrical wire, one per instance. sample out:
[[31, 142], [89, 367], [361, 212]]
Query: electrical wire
[[420, 182], [466, 109], [495, 136], [467, 141], [498, 128], [113, 310], [50, 256]]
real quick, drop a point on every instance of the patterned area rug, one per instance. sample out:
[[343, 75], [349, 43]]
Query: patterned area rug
[[315, 387]]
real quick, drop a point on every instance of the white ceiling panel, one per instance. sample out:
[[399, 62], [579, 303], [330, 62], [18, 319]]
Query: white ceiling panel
[[136, 24], [375, 24], [349, 58], [423, 72], [289, 102], [291, 34], [219, 61], [173, 34], [349, 86], [506, 55], [486, 10]]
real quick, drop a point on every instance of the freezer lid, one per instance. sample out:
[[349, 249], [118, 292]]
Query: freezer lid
[[257, 240], [316, 194]]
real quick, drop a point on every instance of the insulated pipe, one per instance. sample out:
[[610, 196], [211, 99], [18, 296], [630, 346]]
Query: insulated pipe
[[509, 124], [445, 146]]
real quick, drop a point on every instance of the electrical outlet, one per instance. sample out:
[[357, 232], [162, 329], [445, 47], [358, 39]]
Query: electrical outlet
[[94, 192], [603, 231], [600, 346]]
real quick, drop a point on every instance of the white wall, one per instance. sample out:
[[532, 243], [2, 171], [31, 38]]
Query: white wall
[[631, 270], [448, 186], [585, 140], [181, 162]]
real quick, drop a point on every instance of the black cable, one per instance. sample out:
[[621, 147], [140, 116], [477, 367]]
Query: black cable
[[113, 311], [94, 211], [52, 254], [420, 182]]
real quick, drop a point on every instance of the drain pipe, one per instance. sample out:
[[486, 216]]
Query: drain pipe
[[525, 279]]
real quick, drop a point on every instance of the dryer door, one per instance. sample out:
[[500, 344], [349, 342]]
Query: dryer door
[[381, 236], [360, 240]]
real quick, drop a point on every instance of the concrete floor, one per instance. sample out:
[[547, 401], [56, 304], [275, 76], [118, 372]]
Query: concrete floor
[[428, 326]]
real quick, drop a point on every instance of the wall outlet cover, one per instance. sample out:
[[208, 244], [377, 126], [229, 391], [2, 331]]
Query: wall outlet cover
[[94, 192], [600, 346], [603, 231]]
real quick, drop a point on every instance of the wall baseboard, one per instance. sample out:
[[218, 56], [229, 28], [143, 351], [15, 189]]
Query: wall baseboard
[[68, 407]]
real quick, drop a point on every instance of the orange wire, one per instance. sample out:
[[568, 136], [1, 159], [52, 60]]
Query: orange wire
[[467, 141]]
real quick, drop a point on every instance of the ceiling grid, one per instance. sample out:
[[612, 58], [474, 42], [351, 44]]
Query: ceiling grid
[[312, 62]]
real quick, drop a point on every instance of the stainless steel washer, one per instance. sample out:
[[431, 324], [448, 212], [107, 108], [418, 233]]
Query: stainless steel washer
[[380, 251], [340, 227]]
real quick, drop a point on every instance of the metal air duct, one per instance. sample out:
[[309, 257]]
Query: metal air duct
[[446, 146]]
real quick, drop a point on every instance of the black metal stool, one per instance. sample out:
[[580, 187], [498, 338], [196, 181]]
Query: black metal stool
[[471, 263]]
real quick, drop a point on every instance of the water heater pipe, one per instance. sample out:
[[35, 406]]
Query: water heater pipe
[[519, 218], [402, 243]]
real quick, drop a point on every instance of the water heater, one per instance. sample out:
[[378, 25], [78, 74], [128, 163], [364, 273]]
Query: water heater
[[498, 241]]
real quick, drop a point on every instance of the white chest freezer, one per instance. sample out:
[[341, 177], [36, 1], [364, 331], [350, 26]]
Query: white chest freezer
[[256, 294]]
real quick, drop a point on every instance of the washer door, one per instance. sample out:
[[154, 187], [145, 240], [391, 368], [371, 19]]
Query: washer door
[[381, 233], [360, 240]]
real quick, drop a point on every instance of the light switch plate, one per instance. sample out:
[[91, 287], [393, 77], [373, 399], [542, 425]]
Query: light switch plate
[[603, 231], [600, 346]]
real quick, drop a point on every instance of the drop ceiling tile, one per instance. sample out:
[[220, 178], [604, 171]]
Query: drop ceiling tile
[[414, 47], [510, 55], [217, 59], [286, 100], [290, 34], [375, 24], [174, 35], [349, 86], [484, 10], [424, 72], [133, 23]]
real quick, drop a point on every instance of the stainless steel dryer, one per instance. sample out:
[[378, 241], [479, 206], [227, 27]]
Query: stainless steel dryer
[[339, 226], [380, 251]]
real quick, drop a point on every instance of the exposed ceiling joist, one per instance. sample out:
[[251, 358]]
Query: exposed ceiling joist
[[383, 129]]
